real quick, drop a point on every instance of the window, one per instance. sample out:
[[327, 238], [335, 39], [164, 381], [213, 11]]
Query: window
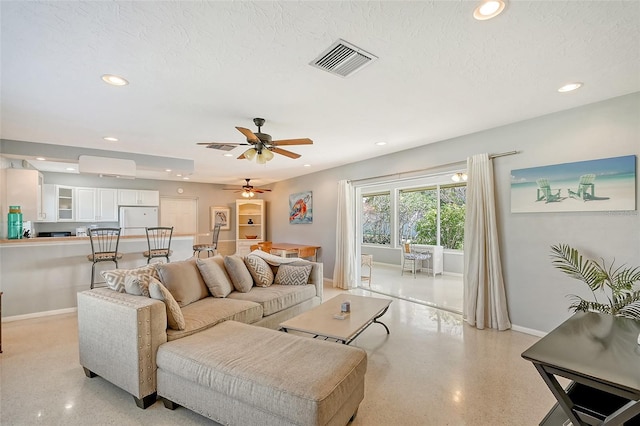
[[414, 208], [376, 219], [453, 200], [431, 215]]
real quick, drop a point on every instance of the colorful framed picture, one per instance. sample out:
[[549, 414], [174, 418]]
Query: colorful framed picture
[[607, 184], [221, 215], [301, 207]]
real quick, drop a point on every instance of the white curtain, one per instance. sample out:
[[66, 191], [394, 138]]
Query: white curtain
[[485, 303], [344, 269]]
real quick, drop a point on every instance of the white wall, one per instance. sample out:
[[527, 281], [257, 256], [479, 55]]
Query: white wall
[[536, 291]]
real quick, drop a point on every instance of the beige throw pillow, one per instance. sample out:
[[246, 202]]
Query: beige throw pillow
[[293, 274], [115, 277], [259, 270], [215, 275], [183, 280], [175, 319], [240, 276]]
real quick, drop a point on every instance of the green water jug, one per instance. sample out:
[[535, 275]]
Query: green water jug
[[14, 223]]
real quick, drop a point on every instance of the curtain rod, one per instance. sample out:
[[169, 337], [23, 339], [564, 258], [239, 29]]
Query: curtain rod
[[399, 174]]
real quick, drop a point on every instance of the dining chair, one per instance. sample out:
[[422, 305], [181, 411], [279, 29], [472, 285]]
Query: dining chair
[[104, 248], [158, 242], [366, 260], [410, 256], [209, 248]]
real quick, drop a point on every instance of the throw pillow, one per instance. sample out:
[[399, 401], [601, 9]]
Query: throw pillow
[[215, 276], [293, 274], [175, 319], [259, 270], [115, 278], [240, 276], [183, 280], [135, 286]]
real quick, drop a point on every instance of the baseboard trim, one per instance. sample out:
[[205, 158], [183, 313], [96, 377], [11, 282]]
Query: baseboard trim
[[39, 314], [526, 330]]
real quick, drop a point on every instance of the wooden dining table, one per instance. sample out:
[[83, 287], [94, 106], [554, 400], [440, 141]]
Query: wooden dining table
[[287, 249]]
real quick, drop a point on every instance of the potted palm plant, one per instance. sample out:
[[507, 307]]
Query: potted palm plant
[[612, 287]]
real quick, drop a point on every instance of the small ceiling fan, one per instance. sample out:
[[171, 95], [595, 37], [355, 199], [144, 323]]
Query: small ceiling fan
[[262, 145], [248, 191]]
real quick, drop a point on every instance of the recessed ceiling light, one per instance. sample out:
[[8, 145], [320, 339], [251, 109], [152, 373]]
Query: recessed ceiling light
[[41, 159], [488, 9], [185, 178], [381, 143], [70, 169], [114, 80], [179, 175], [307, 165], [167, 170], [110, 139], [570, 87], [227, 155]]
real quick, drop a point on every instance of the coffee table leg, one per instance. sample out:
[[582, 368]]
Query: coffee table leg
[[380, 322]]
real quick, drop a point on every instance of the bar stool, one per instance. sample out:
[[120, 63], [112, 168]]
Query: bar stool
[[209, 248], [104, 248], [159, 242]]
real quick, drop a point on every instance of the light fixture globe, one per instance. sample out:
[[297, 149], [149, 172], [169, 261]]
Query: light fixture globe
[[268, 155], [250, 154]]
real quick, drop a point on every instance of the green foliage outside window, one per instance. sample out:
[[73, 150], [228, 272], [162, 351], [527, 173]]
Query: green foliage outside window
[[417, 217]]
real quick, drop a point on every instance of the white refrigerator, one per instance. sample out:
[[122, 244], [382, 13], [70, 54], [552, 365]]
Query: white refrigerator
[[134, 220]]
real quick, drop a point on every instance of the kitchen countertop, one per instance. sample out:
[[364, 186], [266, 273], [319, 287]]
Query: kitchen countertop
[[71, 239]]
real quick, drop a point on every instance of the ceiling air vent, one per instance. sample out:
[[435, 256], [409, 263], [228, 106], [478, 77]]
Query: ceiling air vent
[[343, 59]]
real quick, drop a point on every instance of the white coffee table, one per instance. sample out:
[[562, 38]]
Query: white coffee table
[[320, 322]]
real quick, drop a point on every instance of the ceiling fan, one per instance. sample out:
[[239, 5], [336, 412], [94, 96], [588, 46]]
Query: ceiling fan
[[262, 145], [248, 191]]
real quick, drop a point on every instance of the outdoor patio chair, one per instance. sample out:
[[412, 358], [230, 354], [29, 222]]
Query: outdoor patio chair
[[586, 188], [410, 256], [545, 192]]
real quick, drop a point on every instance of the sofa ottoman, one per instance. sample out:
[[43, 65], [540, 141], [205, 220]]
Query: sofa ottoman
[[239, 374]]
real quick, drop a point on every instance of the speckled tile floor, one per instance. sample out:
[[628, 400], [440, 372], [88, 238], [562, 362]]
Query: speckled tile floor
[[431, 370]]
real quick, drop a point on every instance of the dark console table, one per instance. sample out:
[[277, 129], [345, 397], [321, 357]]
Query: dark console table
[[599, 353]]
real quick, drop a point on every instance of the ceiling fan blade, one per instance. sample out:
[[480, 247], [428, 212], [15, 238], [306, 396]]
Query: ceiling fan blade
[[285, 152], [261, 190], [219, 143], [241, 157], [303, 141], [248, 134]]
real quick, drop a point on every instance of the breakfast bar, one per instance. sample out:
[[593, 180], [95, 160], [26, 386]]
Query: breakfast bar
[[44, 274]]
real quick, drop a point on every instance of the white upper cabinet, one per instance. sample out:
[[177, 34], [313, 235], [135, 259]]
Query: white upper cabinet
[[96, 205], [138, 197], [49, 203]]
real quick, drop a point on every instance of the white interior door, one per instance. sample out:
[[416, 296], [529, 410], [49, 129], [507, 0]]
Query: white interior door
[[181, 213]]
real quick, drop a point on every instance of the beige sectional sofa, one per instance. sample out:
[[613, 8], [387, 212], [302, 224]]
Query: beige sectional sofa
[[121, 330]]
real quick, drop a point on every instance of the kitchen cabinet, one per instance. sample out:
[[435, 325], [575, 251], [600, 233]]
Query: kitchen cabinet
[[250, 221], [96, 205], [24, 189], [65, 197], [49, 194], [138, 197]]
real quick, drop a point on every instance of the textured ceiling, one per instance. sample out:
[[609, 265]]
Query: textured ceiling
[[197, 69]]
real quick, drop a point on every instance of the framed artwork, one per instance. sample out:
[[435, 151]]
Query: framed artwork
[[607, 184], [301, 207], [221, 215]]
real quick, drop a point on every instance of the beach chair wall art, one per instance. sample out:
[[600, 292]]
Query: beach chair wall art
[[607, 184]]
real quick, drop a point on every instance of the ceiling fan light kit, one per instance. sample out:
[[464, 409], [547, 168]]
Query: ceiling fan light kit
[[262, 145]]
